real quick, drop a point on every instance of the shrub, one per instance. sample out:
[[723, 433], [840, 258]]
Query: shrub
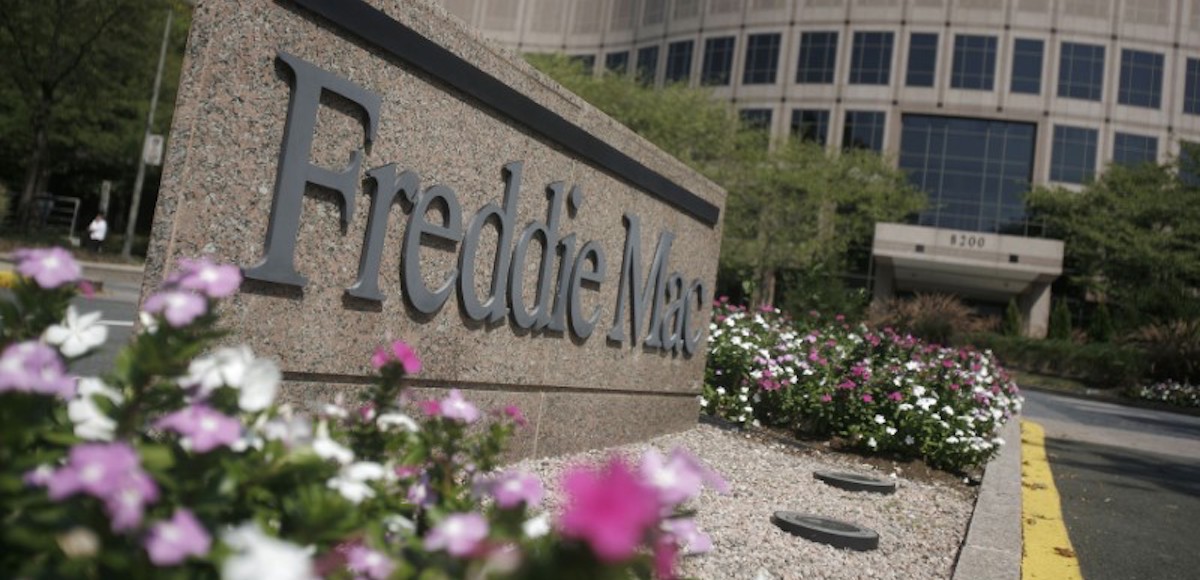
[[882, 391], [179, 463], [933, 318], [1171, 350], [1103, 365], [1100, 327], [1060, 322], [1013, 323]]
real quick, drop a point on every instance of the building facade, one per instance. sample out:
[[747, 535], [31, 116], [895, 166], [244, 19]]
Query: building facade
[[977, 100]]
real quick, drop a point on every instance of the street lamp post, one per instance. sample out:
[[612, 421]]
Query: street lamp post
[[139, 181]]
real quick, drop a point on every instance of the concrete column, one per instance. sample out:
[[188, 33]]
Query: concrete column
[[1035, 309], [885, 281]]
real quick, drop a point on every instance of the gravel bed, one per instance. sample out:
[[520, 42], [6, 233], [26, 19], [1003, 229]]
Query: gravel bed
[[921, 526]]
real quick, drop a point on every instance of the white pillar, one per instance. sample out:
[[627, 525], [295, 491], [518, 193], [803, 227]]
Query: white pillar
[[1035, 310]]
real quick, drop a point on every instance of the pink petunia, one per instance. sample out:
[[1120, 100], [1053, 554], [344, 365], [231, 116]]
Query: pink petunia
[[203, 427], [110, 472], [49, 267], [513, 488], [514, 412], [459, 534], [172, 541], [179, 307], [397, 352], [454, 406], [368, 563], [34, 367], [610, 509], [206, 277]]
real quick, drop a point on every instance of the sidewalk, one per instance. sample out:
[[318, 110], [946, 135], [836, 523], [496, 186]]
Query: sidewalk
[[993, 548], [121, 282]]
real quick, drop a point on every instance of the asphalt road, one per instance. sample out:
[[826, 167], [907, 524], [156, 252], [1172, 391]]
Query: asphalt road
[[1130, 485]]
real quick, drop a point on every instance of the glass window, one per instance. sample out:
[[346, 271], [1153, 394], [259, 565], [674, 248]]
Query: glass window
[[1189, 163], [762, 59], [1073, 156], [588, 61], [1081, 71], [922, 59], [818, 57], [718, 61], [679, 62], [1141, 79], [617, 62], [1191, 89], [647, 64], [811, 125], [864, 130], [974, 62], [1027, 66], [871, 59], [975, 171], [759, 119], [1130, 149]]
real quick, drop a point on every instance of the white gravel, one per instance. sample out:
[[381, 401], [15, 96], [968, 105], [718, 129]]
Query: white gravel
[[920, 527]]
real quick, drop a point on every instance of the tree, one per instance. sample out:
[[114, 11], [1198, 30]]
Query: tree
[[1132, 237], [1013, 323], [794, 206], [1060, 322], [78, 77]]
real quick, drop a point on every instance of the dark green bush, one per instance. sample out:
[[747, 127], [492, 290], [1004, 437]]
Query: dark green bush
[[1100, 328], [1060, 322], [1013, 324], [1103, 365]]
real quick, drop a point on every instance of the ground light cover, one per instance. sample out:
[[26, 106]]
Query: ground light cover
[[179, 463], [881, 391]]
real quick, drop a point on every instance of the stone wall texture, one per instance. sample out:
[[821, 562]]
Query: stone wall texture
[[220, 181]]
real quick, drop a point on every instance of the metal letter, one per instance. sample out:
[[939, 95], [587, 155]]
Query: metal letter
[[691, 339], [582, 327], [642, 298], [387, 185], [494, 308], [672, 320], [451, 230], [295, 170], [540, 315]]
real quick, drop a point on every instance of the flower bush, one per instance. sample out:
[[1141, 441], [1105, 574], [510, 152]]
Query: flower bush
[[1169, 392], [181, 463], [882, 391]]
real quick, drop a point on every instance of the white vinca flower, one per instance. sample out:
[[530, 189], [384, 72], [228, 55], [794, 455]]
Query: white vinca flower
[[536, 526], [353, 481], [387, 421], [90, 422], [260, 384], [78, 334], [257, 556], [224, 366], [326, 448]]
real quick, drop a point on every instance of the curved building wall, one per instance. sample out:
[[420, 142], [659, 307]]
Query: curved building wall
[[1013, 91]]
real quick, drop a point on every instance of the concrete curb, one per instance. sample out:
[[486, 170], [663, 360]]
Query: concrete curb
[[993, 547]]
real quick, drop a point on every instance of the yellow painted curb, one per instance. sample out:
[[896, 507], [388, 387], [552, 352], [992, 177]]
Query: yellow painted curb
[[1048, 554]]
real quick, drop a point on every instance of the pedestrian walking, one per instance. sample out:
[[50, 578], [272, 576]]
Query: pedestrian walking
[[97, 230]]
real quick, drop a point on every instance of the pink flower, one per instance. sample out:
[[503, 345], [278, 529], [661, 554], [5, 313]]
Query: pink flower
[[202, 427], [49, 267], [826, 398], [456, 407], [368, 563], [867, 398], [610, 509], [399, 352], [111, 472], [665, 552], [33, 367], [210, 279], [896, 396], [514, 412], [679, 477], [459, 534], [512, 488], [179, 307], [431, 408], [86, 289], [847, 384], [170, 542], [688, 536]]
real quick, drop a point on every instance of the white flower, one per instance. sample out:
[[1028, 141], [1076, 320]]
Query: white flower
[[90, 422], [259, 385], [918, 391], [148, 322], [926, 402], [397, 524], [224, 366], [77, 334], [890, 430], [703, 401], [352, 480], [258, 556], [952, 439], [905, 407], [720, 390], [948, 410], [326, 448], [908, 440], [536, 526], [871, 443], [879, 419], [388, 420]]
